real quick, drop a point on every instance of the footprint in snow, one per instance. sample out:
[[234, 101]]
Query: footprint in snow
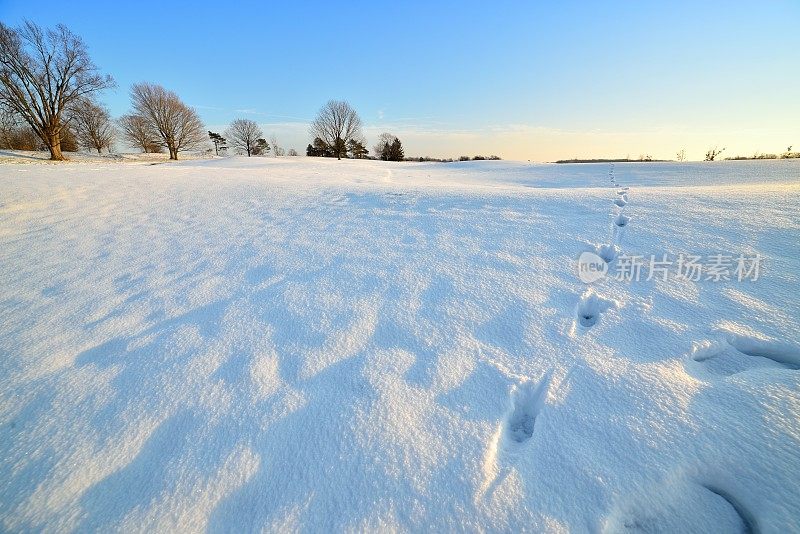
[[733, 354], [621, 221], [528, 399], [621, 202], [589, 309], [608, 252]]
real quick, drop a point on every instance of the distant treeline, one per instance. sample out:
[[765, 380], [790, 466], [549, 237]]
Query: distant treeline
[[786, 155], [711, 155], [615, 160], [479, 158], [49, 89], [451, 160]]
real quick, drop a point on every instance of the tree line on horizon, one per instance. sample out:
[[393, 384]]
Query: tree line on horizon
[[49, 89], [48, 100], [330, 144]]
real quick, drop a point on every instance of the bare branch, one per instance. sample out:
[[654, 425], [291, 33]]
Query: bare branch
[[44, 73], [176, 125], [92, 125], [137, 132], [336, 124], [243, 135]]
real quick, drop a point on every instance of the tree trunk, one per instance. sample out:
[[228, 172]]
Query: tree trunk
[[54, 144], [173, 153]]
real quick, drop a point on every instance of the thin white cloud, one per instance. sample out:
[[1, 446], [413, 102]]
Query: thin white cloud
[[248, 112]]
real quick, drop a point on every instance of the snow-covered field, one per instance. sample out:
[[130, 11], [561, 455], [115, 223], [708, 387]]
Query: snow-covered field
[[305, 344]]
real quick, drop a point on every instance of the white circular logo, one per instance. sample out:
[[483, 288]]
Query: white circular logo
[[591, 267]]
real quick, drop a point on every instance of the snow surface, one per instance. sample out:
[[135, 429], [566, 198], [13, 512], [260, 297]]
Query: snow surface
[[309, 344]]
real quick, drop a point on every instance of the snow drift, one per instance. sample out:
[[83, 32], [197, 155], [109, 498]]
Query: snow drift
[[301, 344]]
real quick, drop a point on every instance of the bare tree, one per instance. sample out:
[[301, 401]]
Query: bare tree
[[178, 126], [336, 124], [24, 138], [712, 153], [92, 125], [276, 149], [43, 73], [9, 122], [681, 154], [384, 140], [15, 134], [137, 132], [244, 134]]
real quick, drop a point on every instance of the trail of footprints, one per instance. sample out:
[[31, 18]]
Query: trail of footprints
[[591, 306], [527, 396], [727, 356]]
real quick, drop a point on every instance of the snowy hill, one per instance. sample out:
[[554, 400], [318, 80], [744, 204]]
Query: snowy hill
[[308, 344]]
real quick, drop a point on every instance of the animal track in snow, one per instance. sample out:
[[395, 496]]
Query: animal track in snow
[[589, 309], [733, 354], [607, 252], [621, 221], [527, 400]]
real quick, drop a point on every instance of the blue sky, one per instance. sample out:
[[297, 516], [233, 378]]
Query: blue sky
[[526, 80]]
